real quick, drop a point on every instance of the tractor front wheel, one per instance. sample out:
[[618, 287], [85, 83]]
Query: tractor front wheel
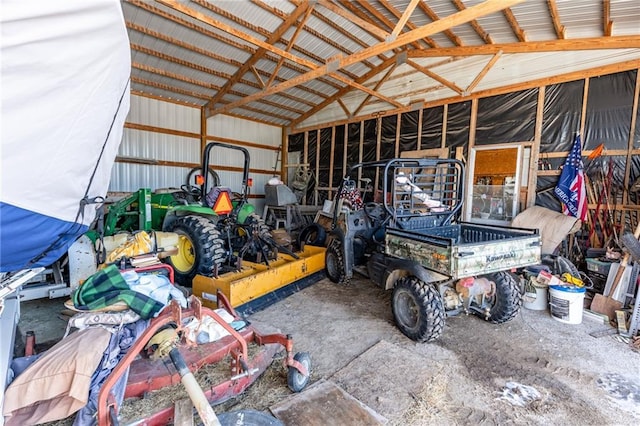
[[200, 248], [417, 309]]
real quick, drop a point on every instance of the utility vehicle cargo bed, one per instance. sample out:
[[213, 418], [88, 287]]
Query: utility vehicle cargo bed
[[465, 249]]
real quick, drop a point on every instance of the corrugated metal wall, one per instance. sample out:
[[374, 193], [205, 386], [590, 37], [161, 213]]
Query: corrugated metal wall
[[156, 142]]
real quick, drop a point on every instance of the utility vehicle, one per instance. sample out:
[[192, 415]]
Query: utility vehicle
[[406, 237]]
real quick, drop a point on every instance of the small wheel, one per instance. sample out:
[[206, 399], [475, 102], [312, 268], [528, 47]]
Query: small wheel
[[417, 309], [334, 263], [507, 298], [296, 380], [313, 234]]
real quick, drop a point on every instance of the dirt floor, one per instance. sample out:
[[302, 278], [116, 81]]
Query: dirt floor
[[533, 370]]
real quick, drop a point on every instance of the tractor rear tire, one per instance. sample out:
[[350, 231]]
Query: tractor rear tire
[[200, 248], [507, 299], [334, 262], [417, 309]]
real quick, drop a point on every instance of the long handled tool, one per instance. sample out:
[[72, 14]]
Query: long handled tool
[[165, 341], [607, 305]]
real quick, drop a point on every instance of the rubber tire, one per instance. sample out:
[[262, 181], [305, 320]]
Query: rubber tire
[[248, 418], [559, 265], [295, 380], [313, 235], [417, 309], [334, 262], [507, 299], [631, 243], [207, 245]]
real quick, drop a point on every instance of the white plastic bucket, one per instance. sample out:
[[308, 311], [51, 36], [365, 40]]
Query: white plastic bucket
[[535, 301], [565, 302]]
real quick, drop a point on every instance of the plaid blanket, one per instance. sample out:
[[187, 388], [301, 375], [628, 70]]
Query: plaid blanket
[[107, 287]]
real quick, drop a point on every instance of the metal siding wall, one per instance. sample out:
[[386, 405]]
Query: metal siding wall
[[153, 112], [127, 177]]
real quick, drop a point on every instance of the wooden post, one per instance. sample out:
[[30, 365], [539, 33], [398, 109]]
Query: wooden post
[[535, 149]]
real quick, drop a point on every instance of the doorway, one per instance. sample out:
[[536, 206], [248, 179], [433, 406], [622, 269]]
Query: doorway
[[494, 183]]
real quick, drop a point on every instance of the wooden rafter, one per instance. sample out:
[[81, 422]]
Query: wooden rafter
[[166, 87], [607, 23], [256, 74], [326, 38], [188, 24], [515, 26], [362, 23], [388, 23], [474, 24], [545, 81], [485, 8], [342, 92], [292, 40], [345, 33], [195, 14], [614, 42], [409, 24], [376, 87], [344, 107], [404, 18], [366, 90], [200, 68], [275, 36], [434, 17], [204, 84], [208, 20], [555, 17], [435, 76], [482, 73]]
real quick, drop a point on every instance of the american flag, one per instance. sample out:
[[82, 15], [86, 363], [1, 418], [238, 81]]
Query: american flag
[[571, 188]]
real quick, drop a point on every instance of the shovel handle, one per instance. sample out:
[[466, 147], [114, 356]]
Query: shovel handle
[[623, 264]]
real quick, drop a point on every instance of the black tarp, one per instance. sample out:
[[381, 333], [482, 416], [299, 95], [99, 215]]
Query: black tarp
[[432, 127], [609, 108], [561, 115], [507, 118], [503, 119], [458, 120], [388, 139], [409, 131]]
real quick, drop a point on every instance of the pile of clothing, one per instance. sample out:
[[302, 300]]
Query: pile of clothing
[[115, 309]]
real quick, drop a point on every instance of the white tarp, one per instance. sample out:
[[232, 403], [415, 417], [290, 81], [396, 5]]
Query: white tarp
[[65, 96]]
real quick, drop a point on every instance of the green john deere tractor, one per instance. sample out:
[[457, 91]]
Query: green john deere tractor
[[217, 228]]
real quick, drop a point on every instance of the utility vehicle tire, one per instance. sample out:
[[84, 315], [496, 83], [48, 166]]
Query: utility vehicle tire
[[417, 309], [296, 380], [200, 248], [506, 302], [334, 262], [313, 234], [559, 265]]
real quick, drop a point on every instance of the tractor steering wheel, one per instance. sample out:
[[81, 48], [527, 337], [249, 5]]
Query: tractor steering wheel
[[191, 190]]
